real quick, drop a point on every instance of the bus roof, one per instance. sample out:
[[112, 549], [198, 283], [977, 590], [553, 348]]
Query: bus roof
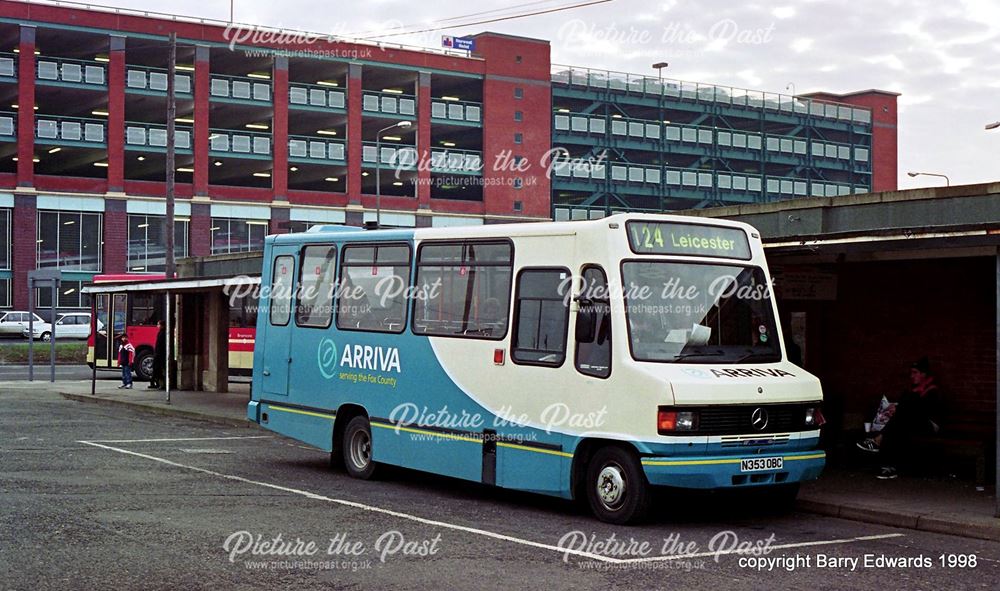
[[497, 230]]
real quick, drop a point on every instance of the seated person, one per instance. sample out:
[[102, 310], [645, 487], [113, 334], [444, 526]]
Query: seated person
[[918, 413]]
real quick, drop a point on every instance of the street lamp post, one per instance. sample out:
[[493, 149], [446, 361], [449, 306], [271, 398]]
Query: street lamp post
[[378, 162], [658, 66], [947, 181], [791, 86]]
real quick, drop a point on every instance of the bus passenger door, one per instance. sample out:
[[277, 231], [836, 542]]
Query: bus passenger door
[[277, 339], [102, 338]]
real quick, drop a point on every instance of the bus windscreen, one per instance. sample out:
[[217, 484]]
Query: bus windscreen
[[687, 239]]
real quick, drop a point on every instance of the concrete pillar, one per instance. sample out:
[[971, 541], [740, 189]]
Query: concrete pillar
[[202, 96], [26, 108], [215, 375], [188, 339], [116, 117], [24, 228], [115, 236], [279, 127], [354, 141], [424, 140]]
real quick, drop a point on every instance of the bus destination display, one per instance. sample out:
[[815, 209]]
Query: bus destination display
[[688, 239]]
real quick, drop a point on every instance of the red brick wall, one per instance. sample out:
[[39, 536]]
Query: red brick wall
[[889, 314], [504, 73], [23, 229], [885, 161], [199, 230], [115, 236]]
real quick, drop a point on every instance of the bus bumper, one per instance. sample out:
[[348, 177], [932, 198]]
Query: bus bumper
[[724, 471], [253, 411]]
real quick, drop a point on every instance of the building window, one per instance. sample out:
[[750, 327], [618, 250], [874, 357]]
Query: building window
[[4, 293], [147, 245], [68, 240], [518, 116], [517, 59], [518, 206], [518, 92], [69, 295], [518, 183], [5, 240], [237, 235], [542, 317], [468, 287], [295, 227], [518, 138]]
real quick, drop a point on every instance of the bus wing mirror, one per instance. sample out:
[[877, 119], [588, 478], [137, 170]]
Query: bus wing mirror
[[586, 324]]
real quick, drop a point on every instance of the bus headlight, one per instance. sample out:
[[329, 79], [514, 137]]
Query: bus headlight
[[814, 418], [671, 421]]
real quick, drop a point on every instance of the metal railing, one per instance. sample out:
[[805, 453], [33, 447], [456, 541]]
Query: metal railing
[[239, 142], [8, 65], [314, 95], [8, 124], [694, 179], [651, 130], [146, 135], [452, 160], [49, 129], [393, 104], [155, 79], [457, 110], [312, 148], [239, 87], [403, 157], [70, 71], [728, 95]]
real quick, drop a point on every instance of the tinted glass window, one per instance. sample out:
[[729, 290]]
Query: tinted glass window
[[373, 288], [281, 290], [542, 312], [593, 357], [316, 285]]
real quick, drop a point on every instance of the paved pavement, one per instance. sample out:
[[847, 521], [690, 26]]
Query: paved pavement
[[96, 496], [63, 372]]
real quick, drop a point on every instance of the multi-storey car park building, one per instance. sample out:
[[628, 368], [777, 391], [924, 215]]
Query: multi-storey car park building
[[279, 131]]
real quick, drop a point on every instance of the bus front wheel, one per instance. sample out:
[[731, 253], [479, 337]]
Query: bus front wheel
[[617, 490], [357, 447], [143, 365]]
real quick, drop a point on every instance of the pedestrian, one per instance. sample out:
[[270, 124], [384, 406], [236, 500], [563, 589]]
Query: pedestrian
[[917, 414], [126, 355], [158, 381]]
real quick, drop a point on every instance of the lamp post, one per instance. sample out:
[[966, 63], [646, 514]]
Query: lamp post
[[378, 162], [658, 66], [791, 86], [947, 181]]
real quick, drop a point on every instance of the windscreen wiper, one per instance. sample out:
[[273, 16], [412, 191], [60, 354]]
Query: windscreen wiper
[[693, 354], [753, 354]]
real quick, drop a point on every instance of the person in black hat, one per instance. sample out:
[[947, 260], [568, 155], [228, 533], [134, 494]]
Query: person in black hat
[[917, 414]]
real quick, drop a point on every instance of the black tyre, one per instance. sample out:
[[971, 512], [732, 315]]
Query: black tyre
[[617, 489], [46, 337], [142, 365], [357, 448]]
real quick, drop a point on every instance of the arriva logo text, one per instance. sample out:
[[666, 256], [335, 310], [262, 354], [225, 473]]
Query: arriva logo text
[[370, 358]]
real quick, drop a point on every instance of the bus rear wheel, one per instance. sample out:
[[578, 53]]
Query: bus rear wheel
[[617, 490], [357, 448]]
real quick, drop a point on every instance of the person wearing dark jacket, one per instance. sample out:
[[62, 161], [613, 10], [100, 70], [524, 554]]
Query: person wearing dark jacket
[[917, 414], [158, 381]]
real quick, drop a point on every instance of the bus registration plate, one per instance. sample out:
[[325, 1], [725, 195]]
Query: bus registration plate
[[761, 464]]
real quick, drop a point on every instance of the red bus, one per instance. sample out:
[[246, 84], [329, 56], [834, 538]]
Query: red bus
[[136, 315]]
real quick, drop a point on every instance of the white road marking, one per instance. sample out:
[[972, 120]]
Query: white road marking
[[452, 526], [179, 439]]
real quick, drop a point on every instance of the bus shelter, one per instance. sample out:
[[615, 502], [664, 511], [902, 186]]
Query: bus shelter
[[868, 284], [197, 312]]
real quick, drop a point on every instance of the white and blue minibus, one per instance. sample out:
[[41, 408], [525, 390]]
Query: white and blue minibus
[[589, 360]]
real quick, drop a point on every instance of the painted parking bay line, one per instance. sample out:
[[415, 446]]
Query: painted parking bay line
[[167, 440], [446, 525]]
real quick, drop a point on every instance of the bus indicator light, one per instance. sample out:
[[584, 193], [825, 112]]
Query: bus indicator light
[[498, 356], [666, 421]]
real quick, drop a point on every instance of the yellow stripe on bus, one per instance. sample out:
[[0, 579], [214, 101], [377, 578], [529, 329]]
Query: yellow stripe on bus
[[301, 412]]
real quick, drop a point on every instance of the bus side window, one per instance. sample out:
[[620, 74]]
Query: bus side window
[[283, 274], [372, 294], [541, 313], [593, 354], [316, 284]]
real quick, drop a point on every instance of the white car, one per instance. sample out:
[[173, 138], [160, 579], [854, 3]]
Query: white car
[[73, 325], [14, 323]]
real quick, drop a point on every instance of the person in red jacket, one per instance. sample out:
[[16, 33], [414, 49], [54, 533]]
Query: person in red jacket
[[126, 355]]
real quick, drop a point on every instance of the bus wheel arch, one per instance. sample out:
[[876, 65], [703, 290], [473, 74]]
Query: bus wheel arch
[[345, 414], [608, 476]]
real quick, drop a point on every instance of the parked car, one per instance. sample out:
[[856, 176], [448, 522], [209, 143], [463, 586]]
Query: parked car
[[14, 323], [72, 325]]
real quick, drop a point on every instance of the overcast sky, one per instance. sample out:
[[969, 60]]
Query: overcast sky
[[944, 57]]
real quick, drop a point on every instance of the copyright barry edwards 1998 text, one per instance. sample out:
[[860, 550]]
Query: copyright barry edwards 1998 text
[[794, 562]]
